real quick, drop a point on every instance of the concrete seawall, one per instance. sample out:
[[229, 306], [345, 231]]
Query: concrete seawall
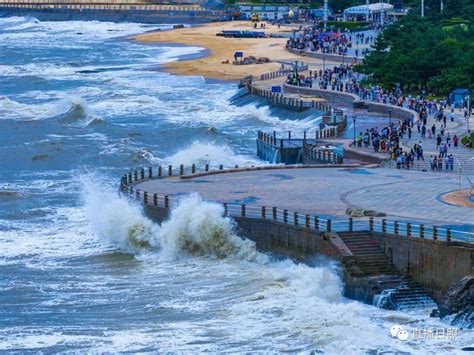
[[349, 99], [434, 264], [374, 257], [114, 13], [326, 56]]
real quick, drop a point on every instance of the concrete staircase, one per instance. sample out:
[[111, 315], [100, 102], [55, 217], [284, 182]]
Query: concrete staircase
[[395, 292], [369, 256], [407, 295]]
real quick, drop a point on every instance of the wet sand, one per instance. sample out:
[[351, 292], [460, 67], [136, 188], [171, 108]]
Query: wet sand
[[222, 49]]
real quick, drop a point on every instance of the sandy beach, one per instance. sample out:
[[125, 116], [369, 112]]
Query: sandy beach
[[222, 49]]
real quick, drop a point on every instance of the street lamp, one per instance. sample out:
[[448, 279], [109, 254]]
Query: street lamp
[[354, 126], [468, 117]]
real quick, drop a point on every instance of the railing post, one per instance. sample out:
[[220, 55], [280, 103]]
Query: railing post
[[448, 235], [155, 200], [408, 229], [150, 172], [131, 190], [193, 169], [181, 170], [435, 233], [206, 167], [395, 227], [274, 213], [243, 211], [295, 218], [137, 194], [160, 171], [145, 198], [351, 224], [142, 173], [316, 222], [422, 231], [135, 175], [263, 212], [167, 201], [289, 135], [328, 225], [384, 225], [371, 224], [130, 178], [221, 167], [285, 216], [307, 219], [225, 209], [170, 170]]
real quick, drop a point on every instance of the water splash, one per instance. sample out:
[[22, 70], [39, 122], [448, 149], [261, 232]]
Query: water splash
[[194, 227], [209, 153]]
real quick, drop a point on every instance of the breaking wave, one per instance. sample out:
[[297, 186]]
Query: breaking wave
[[209, 153], [78, 110], [194, 227]]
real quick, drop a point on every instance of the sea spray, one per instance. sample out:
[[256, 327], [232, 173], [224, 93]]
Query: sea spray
[[116, 218], [209, 153], [198, 228], [194, 227]]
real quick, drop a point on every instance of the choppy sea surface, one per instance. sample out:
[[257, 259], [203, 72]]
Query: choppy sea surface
[[84, 270]]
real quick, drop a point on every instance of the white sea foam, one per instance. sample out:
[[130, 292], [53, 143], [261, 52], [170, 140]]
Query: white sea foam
[[299, 307], [209, 153], [195, 227]]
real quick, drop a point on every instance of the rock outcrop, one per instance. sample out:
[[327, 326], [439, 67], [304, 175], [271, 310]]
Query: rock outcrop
[[459, 303]]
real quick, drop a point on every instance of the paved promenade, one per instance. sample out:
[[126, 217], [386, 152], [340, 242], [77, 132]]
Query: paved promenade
[[403, 195]]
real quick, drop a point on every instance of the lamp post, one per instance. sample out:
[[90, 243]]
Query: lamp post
[[354, 126], [468, 117]]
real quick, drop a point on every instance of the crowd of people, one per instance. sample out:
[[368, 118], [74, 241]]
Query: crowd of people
[[333, 42], [342, 78]]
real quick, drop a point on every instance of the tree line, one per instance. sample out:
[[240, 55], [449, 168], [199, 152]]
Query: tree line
[[434, 53]]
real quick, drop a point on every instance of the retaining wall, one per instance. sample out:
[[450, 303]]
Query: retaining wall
[[327, 56], [112, 13], [349, 99], [434, 264]]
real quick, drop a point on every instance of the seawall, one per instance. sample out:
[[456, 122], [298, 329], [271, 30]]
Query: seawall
[[348, 99], [111, 12], [437, 265]]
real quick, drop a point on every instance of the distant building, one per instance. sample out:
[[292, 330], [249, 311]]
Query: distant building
[[368, 13], [268, 12]]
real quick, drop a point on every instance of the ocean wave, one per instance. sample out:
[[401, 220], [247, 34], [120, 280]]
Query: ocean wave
[[295, 303], [195, 227], [210, 153], [18, 23]]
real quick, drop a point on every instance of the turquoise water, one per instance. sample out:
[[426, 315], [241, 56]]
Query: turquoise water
[[83, 269]]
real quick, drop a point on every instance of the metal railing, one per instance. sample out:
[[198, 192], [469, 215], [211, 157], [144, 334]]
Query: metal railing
[[279, 142], [373, 225]]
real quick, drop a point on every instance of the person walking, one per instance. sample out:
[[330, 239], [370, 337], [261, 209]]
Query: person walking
[[438, 141], [455, 141]]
